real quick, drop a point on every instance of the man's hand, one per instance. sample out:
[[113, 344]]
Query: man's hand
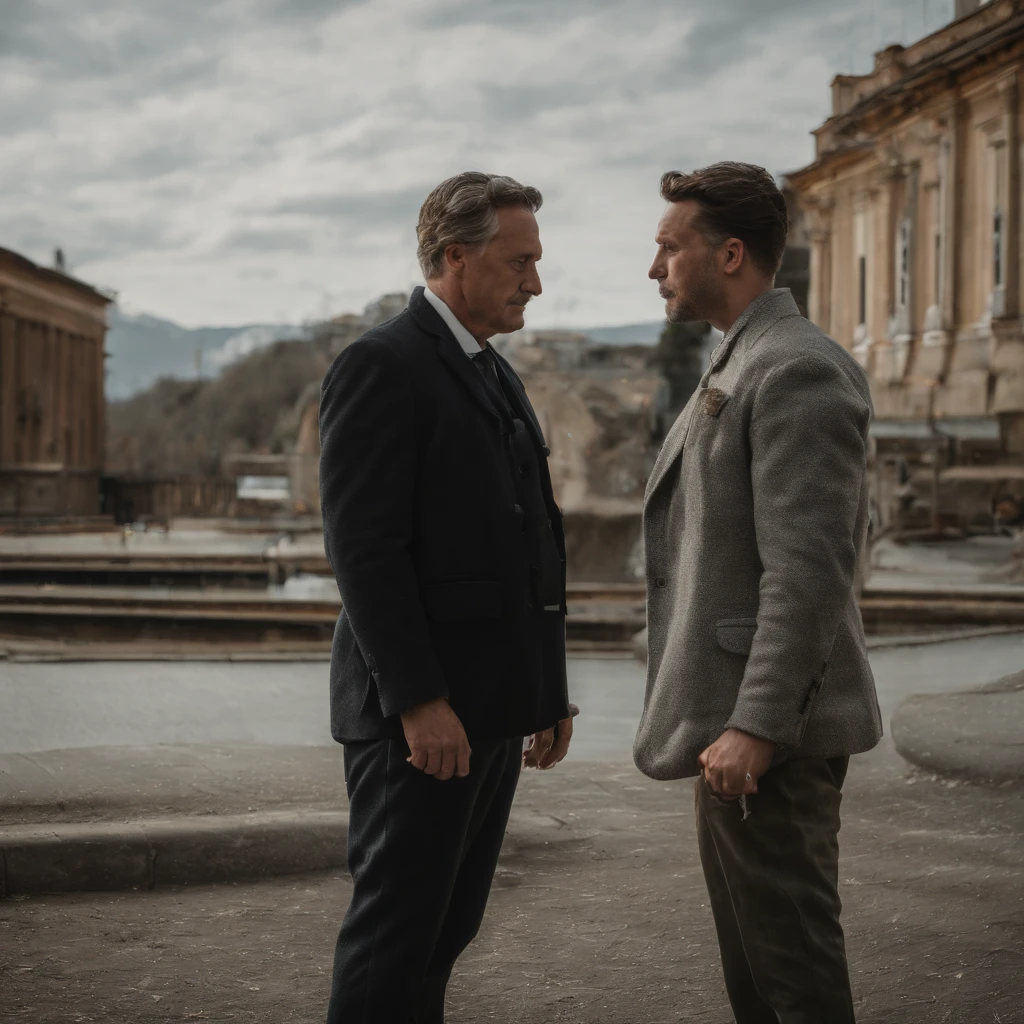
[[437, 742], [547, 748], [733, 759]]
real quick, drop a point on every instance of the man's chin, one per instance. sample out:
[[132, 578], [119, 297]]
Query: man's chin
[[676, 313], [515, 321]]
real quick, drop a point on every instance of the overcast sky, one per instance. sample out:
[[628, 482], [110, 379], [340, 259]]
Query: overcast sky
[[264, 160]]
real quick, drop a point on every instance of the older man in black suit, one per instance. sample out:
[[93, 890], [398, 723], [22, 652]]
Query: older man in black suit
[[447, 545]]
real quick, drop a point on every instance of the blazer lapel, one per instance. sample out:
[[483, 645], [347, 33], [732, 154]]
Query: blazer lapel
[[765, 311], [673, 446], [453, 355]]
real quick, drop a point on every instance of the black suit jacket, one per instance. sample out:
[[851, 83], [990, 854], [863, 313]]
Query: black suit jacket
[[425, 536]]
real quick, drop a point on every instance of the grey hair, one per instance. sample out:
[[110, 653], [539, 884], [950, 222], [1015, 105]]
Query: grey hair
[[464, 210]]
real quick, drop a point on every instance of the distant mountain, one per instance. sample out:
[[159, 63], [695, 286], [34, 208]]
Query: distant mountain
[[141, 349], [629, 334]]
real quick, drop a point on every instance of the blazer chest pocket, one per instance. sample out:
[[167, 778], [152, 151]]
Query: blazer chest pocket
[[463, 599], [736, 635]]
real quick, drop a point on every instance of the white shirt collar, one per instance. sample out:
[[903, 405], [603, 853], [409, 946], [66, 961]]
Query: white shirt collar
[[469, 344]]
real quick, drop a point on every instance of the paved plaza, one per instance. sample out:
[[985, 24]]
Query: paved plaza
[[599, 914]]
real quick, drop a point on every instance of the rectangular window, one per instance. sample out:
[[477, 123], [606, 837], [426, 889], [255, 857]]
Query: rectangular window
[[997, 248], [937, 283], [904, 263], [862, 292]]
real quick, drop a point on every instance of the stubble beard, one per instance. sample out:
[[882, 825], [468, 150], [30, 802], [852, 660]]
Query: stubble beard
[[701, 300]]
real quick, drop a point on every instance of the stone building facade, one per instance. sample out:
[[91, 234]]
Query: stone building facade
[[914, 211], [52, 331]]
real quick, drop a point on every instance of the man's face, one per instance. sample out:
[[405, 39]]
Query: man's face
[[498, 282], [686, 267]]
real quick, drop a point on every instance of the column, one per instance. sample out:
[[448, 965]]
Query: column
[[820, 291]]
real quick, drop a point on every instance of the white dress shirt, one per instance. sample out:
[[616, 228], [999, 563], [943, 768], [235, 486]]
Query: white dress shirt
[[469, 344]]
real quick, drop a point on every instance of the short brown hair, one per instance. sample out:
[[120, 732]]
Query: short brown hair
[[464, 209], [736, 201]]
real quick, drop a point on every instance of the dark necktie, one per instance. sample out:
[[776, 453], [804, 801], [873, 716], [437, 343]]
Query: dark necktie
[[485, 363]]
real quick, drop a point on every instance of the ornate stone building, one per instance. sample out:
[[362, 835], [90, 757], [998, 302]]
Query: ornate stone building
[[914, 207]]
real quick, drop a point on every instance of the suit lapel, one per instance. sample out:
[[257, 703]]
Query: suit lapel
[[764, 312], [453, 355], [518, 389]]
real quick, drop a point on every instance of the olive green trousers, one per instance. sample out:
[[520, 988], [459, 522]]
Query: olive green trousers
[[773, 881]]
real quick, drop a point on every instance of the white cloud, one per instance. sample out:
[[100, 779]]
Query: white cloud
[[262, 160]]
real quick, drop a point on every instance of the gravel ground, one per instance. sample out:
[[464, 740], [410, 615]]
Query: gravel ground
[[598, 916]]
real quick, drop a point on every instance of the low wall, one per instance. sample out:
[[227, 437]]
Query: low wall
[[48, 492], [603, 543]]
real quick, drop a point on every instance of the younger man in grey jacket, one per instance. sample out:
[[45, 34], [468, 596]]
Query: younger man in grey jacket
[[758, 678]]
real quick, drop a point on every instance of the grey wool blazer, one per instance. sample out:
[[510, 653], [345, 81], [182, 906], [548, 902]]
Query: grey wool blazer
[[755, 514]]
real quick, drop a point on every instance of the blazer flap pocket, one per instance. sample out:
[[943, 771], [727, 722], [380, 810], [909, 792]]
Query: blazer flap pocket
[[462, 599], [736, 635]]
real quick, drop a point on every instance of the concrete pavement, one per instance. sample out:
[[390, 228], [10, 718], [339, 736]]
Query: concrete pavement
[[66, 705], [598, 916], [113, 784], [201, 766]]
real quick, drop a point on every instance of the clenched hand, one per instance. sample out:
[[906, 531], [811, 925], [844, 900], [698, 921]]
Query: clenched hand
[[437, 741], [547, 748], [734, 762]]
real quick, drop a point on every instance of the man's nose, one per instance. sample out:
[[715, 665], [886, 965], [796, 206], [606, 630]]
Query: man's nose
[[657, 272], [532, 284]]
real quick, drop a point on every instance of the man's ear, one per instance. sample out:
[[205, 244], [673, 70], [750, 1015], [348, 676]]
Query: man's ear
[[735, 253], [455, 257]]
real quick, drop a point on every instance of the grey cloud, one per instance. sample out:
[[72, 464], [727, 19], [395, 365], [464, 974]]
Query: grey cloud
[[525, 13], [153, 47], [315, 11], [157, 159], [83, 238], [267, 239], [724, 36], [58, 40], [162, 49], [742, 15], [361, 212]]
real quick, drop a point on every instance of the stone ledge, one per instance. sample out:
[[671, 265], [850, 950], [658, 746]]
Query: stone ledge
[[182, 851], [977, 734]]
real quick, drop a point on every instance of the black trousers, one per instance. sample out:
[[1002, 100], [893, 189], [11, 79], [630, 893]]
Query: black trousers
[[773, 882], [422, 855]]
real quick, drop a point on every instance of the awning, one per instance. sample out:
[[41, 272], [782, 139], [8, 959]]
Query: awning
[[973, 428], [982, 474]]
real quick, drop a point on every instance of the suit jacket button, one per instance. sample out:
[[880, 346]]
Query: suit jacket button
[[661, 582]]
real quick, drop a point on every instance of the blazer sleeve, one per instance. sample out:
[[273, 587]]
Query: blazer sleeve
[[808, 437], [367, 479]]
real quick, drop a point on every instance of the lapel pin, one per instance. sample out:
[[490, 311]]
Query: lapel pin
[[714, 401]]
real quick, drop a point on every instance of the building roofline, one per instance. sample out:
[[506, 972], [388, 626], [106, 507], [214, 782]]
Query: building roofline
[[999, 27], [847, 154], [57, 277]]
